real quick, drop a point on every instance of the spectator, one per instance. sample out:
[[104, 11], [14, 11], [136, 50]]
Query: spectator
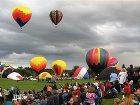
[[113, 76], [60, 97], [130, 72], [17, 102], [132, 100], [1, 96], [136, 78], [43, 100], [125, 101], [83, 95], [127, 88], [137, 95], [90, 95], [122, 77], [49, 88], [117, 101]]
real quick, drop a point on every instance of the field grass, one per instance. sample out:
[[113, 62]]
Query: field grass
[[30, 85]]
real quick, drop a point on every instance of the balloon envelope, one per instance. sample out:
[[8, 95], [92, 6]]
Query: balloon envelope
[[112, 62], [58, 67], [97, 59], [56, 16], [15, 76], [105, 74], [81, 73], [38, 63], [6, 72], [21, 15], [44, 75]]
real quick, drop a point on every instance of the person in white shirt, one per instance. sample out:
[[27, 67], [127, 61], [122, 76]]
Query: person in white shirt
[[122, 77]]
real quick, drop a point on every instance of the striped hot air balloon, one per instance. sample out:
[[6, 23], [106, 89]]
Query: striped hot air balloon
[[81, 73], [97, 59], [21, 15], [58, 67], [38, 63]]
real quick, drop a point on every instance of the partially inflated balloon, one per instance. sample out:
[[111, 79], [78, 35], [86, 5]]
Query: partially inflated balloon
[[21, 15], [15, 76], [58, 67], [112, 62], [38, 63], [97, 59], [44, 75], [56, 16], [81, 73]]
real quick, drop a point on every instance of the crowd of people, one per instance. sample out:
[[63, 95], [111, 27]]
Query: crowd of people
[[125, 83]]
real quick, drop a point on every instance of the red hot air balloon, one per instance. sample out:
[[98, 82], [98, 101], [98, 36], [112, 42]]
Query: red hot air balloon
[[113, 62], [97, 59], [56, 16], [21, 15]]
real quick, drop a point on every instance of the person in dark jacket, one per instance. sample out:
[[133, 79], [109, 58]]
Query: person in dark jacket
[[83, 95], [130, 73], [61, 101]]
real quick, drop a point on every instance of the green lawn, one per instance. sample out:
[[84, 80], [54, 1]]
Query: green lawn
[[30, 85]]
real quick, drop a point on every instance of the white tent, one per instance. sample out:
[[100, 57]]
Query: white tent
[[15, 76]]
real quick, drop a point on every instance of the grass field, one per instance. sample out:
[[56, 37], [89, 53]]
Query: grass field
[[30, 85]]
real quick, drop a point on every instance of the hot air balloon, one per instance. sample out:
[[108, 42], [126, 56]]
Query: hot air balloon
[[21, 15], [97, 59], [113, 62], [44, 75], [105, 74], [15, 76], [56, 16], [6, 72], [58, 67], [38, 63], [81, 73]]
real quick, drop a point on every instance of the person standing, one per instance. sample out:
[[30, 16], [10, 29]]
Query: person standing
[[130, 72], [122, 78], [1, 96], [113, 76]]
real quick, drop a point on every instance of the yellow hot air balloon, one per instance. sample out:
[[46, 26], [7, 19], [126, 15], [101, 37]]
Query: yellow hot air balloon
[[58, 67], [38, 63], [44, 75]]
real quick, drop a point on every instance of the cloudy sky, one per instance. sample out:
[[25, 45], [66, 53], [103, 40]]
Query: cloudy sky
[[110, 24]]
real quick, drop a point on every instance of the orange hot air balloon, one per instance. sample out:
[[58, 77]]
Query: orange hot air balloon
[[56, 16], [38, 63], [21, 15], [58, 67]]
